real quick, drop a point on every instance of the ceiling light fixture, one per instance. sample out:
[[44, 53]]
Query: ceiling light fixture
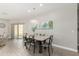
[[34, 21], [34, 8], [41, 5], [28, 11]]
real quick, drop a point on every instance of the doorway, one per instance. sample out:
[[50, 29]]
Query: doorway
[[17, 31]]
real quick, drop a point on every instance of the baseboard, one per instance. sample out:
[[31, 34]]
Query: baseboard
[[66, 48]]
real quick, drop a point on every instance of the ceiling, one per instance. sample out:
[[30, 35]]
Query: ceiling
[[19, 11]]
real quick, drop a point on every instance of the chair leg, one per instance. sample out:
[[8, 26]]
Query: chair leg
[[25, 45], [44, 48], [29, 46], [49, 50], [52, 49], [34, 49]]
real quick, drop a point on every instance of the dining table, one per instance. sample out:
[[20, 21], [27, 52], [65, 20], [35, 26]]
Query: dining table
[[40, 39]]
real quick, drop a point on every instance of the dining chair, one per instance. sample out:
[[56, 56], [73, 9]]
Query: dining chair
[[32, 43], [26, 40], [48, 44]]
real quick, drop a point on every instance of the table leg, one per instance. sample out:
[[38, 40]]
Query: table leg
[[34, 48], [40, 47]]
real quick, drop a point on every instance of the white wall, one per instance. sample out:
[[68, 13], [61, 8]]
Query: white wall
[[64, 25]]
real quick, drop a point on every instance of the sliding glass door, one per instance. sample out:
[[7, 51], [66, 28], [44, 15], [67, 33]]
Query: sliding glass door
[[15, 31], [18, 30]]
